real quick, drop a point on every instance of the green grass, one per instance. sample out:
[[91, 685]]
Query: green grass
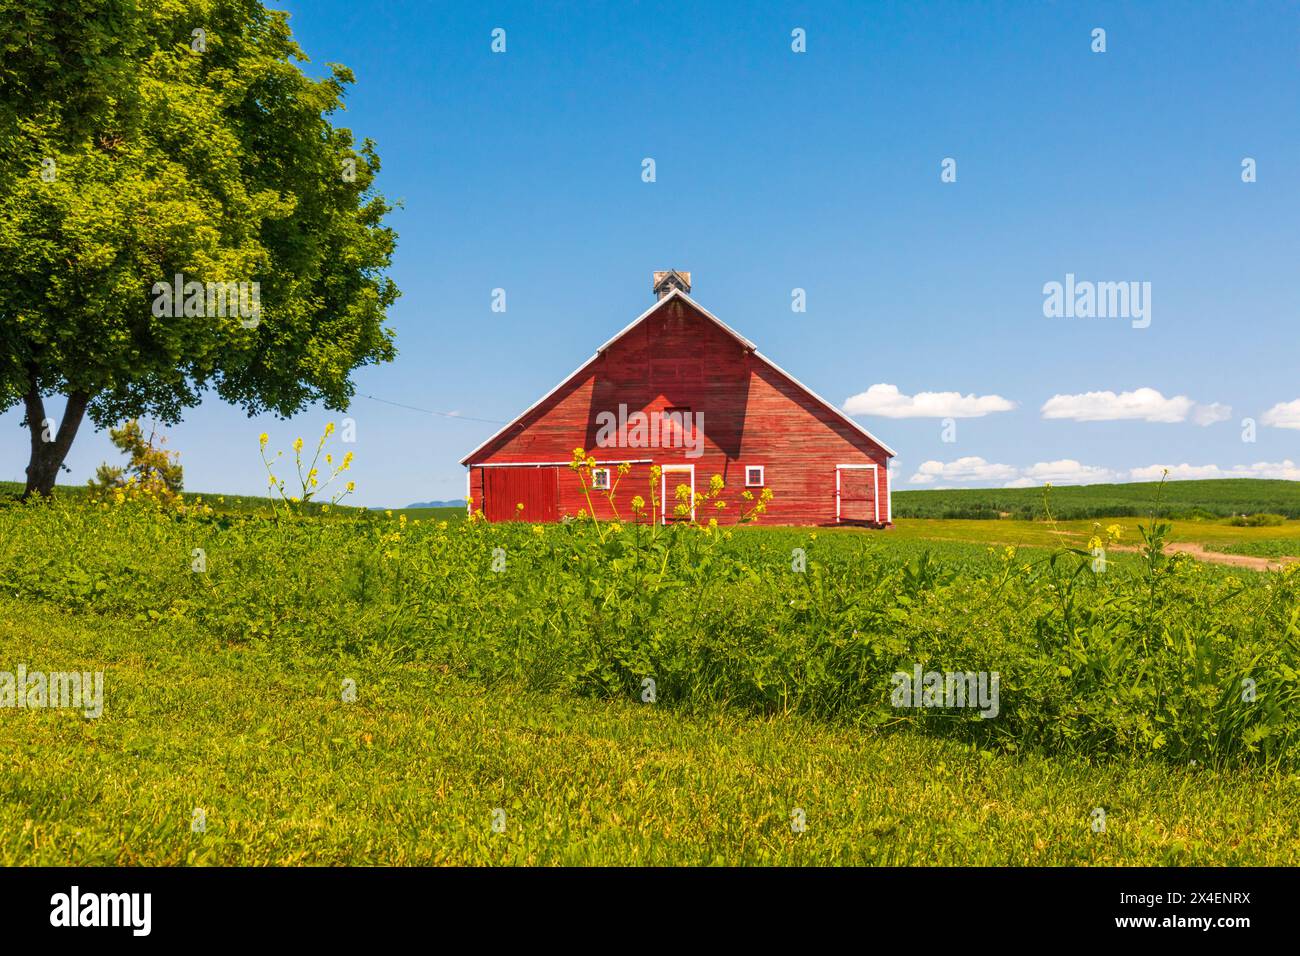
[[436, 514], [1180, 499], [1147, 659], [519, 687], [410, 773], [1216, 534], [1263, 547], [225, 504], [239, 504]]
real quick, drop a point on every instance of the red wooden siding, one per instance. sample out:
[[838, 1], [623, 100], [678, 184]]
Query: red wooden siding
[[857, 494], [537, 489], [752, 415]]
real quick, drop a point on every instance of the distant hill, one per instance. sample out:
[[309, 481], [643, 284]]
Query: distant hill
[[456, 503], [1214, 497]]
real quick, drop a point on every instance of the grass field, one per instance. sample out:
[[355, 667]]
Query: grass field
[[226, 636], [1215, 534], [1178, 499], [411, 772]]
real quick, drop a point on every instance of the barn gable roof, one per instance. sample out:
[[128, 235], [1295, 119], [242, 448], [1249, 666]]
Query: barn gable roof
[[679, 294]]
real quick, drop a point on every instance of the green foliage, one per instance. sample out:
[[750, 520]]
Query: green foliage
[[1147, 659], [1188, 500], [408, 774], [1262, 520], [149, 467], [1263, 548], [165, 154]]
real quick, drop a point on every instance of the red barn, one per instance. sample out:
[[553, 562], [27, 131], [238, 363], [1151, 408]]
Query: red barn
[[679, 389]]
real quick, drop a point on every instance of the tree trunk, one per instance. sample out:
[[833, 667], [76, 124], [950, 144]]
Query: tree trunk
[[48, 451]]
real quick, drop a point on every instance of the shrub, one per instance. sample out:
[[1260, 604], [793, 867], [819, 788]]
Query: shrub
[[1262, 520]]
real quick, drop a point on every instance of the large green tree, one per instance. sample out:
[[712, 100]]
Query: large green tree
[[145, 139]]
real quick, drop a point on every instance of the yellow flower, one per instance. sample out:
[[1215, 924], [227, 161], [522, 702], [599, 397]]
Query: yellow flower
[[1114, 532], [351, 485], [1095, 543], [297, 444], [329, 429], [263, 439], [638, 503]]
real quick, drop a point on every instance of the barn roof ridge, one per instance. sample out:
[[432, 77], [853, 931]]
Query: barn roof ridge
[[679, 294]]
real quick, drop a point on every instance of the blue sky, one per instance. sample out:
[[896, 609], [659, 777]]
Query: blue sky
[[778, 170]]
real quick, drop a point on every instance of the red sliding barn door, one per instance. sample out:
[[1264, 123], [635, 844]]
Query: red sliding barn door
[[538, 489], [856, 487]]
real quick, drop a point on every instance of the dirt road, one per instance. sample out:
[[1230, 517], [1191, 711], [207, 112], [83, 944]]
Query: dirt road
[[1218, 557]]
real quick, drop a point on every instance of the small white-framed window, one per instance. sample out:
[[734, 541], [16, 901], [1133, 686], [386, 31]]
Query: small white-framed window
[[754, 477], [600, 479]]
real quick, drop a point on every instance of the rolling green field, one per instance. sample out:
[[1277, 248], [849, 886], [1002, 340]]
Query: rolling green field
[[1178, 499], [485, 657], [1214, 534], [410, 773]]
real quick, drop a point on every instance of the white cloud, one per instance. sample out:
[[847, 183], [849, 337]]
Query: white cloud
[[1283, 415], [1214, 412], [1286, 470], [888, 401], [1066, 471], [1142, 404], [971, 468], [1181, 472]]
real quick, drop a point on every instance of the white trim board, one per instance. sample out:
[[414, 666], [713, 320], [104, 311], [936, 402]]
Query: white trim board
[[875, 486]]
